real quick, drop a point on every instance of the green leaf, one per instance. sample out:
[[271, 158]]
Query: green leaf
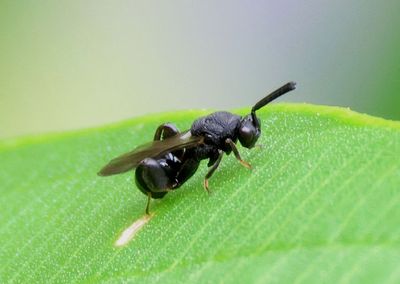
[[320, 204]]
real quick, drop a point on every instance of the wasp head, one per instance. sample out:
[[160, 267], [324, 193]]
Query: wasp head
[[250, 127]]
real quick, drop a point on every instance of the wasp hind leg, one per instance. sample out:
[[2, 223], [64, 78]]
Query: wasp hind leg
[[165, 130], [148, 203], [153, 178]]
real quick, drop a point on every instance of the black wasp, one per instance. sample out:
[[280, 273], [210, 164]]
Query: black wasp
[[173, 157]]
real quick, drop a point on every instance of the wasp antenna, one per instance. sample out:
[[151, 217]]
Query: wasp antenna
[[272, 96]]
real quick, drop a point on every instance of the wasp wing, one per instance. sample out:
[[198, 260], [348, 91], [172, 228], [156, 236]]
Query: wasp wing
[[153, 149]]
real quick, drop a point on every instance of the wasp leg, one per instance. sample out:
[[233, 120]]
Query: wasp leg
[[212, 170], [165, 130], [236, 153], [187, 170], [148, 203], [153, 179]]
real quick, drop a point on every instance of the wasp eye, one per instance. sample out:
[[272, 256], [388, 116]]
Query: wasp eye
[[248, 132], [246, 136]]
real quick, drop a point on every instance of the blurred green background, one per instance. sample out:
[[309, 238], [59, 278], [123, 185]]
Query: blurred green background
[[74, 64]]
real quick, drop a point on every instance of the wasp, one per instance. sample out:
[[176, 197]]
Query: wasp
[[173, 157]]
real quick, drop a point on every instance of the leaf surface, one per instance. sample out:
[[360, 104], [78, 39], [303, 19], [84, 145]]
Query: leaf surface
[[320, 204]]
